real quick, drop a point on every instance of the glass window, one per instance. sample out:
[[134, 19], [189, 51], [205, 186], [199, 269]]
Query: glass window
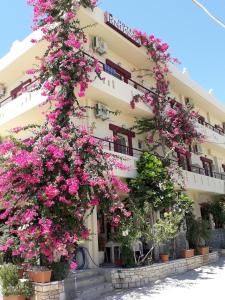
[[122, 144]]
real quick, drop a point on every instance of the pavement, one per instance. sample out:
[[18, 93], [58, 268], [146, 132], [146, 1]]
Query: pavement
[[207, 282]]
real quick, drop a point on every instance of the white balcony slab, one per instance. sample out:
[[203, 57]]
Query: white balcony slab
[[129, 161], [117, 94], [198, 182], [20, 105], [211, 136]]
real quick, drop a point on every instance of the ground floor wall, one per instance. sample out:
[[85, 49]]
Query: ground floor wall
[[136, 277]]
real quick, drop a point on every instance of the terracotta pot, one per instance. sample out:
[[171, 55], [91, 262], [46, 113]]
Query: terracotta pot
[[187, 253], [40, 276], [203, 250], [20, 272], [164, 257], [14, 297]]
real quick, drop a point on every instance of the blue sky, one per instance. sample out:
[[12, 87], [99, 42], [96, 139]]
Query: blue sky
[[194, 38]]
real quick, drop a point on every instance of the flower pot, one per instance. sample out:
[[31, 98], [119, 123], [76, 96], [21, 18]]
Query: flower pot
[[203, 250], [20, 272], [40, 276], [14, 297], [187, 253], [164, 257]]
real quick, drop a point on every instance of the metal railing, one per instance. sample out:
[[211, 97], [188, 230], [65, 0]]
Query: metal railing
[[19, 93], [122, 149], [214, 128], [119, 148]]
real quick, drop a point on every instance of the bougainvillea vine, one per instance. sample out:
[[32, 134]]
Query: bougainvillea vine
[[51, 181], [173, 126]]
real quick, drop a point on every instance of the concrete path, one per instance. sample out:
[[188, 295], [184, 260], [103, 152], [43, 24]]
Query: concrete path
[[206, 283]]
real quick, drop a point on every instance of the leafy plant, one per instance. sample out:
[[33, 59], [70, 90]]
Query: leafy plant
[[59, 270], [152, 184], [198, 232], [11, 284], [217, 209]]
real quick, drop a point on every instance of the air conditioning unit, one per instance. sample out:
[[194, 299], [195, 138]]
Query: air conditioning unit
[[102, 111], [99, 45]]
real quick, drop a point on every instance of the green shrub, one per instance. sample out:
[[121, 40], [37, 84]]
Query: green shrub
[[11, 284], [198, 232]]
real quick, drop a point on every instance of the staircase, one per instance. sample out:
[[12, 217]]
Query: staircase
[[86, 285]]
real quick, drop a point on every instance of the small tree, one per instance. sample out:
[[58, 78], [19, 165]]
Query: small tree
[[150, 192], [152, 184]]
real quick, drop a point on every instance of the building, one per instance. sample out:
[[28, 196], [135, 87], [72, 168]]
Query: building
[[112, 42]]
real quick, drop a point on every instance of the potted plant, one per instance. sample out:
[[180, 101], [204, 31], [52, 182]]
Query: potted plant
[[40, 274], [198, 234], [187, 253], [164, 257], [12, 287]]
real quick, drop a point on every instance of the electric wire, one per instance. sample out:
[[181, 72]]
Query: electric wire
[[216, 19]]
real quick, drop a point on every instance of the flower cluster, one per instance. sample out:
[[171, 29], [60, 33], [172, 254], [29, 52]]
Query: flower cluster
[[173, 125], [47, 186], [50, 182]]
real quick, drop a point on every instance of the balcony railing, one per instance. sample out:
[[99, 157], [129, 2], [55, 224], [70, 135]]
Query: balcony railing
[[122, 149], [119, 148]]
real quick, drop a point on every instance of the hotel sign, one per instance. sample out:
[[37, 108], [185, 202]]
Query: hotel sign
[[121, 28]]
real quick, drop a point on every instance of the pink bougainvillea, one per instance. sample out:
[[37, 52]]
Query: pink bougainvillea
[[173, 126], [51, 181]]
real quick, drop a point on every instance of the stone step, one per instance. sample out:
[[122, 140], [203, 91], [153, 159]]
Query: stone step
[[86, 282], [94, 292]]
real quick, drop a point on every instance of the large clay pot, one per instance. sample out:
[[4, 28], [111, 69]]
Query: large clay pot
[[187, 253], [203, 250], [164, 257], [14, 297], [40, 276]]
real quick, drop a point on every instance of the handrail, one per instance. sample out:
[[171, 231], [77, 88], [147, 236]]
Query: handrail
[[18, 94], [136, 152], [214, 128]]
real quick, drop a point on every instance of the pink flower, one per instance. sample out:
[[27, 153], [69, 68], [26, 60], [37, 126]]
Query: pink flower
[[171, 112], [73, 185], [73, 265], [51, 192], [94, 201], [31, 71]]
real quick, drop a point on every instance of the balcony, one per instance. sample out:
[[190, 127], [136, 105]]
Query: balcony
[[123, 154], [197, 180], [212, 134], [12, 108], [115, 92]]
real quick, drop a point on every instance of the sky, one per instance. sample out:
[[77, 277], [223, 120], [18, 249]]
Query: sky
[[196, 40]]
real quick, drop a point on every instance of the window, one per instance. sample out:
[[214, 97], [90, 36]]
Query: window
[[122, 144], [123, 139], [184, 162], [207, 165]]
